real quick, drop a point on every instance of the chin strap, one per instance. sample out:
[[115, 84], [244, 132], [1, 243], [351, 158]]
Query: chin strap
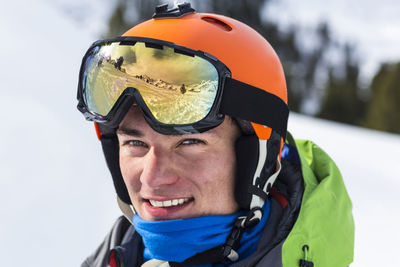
[[258, 199], [261, 182], [242, 223], [127, 210]]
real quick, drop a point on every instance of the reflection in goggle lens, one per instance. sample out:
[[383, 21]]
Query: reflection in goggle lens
[[177, 88]]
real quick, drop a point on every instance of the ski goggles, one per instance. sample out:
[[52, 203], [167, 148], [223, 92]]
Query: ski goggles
[[179, 90]]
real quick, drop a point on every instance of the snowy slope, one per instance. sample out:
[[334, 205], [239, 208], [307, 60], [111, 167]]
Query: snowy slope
[[57, 199]]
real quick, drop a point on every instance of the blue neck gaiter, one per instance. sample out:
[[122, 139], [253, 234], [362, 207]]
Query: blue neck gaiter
[[178, 240]]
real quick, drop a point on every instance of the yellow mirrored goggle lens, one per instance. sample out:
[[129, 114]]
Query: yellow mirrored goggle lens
[[176, 88]]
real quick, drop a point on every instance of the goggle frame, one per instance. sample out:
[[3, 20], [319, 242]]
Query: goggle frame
[[131, 95]]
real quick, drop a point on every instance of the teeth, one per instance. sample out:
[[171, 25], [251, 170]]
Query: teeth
[[168, 203]]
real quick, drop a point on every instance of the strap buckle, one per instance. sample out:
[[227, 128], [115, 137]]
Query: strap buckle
[[241, 224]]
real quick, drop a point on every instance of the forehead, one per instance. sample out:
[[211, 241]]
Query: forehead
[[134, 123]]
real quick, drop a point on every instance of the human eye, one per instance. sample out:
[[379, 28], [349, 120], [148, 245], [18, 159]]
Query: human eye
[[192, 141], [134, 143]]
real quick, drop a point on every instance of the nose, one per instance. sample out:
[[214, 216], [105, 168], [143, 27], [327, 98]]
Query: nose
[[158, 170]]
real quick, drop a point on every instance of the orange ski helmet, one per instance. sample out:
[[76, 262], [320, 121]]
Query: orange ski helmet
[[250, 57]]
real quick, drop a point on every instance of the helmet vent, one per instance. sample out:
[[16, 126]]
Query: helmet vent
[[219, 23]]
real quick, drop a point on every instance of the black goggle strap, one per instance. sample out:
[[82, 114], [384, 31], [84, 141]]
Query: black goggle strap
[[241, 100]]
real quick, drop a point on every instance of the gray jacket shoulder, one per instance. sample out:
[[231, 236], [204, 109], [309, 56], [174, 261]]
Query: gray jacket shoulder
[[99, 258]]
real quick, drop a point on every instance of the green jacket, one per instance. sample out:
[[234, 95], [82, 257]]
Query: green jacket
[[325, 221]]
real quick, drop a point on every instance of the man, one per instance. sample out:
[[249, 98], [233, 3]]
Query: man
[[209, 177]]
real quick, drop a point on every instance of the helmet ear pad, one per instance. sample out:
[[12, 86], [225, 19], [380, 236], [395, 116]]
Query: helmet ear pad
[[247, 161], [110, 145], [247, 150]]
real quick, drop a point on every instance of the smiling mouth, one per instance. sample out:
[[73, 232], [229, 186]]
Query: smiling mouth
[[169, 203]]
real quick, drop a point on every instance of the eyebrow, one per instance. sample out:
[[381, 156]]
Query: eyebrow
[[137, 133], [130, 132]]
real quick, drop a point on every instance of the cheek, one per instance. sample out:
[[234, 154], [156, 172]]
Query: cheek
[[130, 171], [218, 173], [216, 186], [225, 175]]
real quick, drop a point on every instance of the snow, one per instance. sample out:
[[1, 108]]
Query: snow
[[57, 198]]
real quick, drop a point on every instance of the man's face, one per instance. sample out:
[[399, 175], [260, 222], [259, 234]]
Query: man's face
[[178, 176]]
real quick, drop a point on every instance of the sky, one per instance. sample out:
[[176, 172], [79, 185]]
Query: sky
[[57, 200]]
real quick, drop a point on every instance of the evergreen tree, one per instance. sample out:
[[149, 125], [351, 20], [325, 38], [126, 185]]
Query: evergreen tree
[[341, 101], [383, 109]]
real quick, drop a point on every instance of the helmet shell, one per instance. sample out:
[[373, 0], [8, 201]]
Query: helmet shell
[[250, 57]]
